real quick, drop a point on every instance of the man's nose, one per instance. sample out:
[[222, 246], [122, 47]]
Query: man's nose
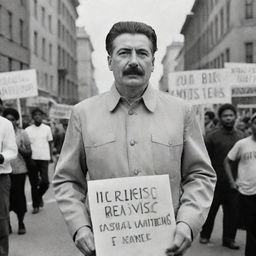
[[133, 60]]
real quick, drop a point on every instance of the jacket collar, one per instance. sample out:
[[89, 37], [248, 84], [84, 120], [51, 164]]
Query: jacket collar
[[149, 98]]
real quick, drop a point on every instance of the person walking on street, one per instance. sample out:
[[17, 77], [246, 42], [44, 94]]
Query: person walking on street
[[40, 136], [134, 130], [18, 202], [218, 143], [244, 152], [8, 152]]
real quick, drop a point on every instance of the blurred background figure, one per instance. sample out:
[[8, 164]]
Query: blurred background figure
[[58, 138], [218, 143], [209, 124], [18, 202]]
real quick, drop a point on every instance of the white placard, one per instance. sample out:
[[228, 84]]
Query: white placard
[[18, 84], [60, 111], [208, 86], [243, 79], [132, 216]]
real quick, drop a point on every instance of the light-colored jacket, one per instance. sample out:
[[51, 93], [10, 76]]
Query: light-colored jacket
[[159, 134]]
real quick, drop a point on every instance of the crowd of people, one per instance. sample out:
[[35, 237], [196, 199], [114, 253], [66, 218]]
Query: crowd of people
[[27, 152], [231, 144]]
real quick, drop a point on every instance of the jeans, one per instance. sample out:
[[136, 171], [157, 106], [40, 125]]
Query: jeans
[[230, 203], [39, 180]]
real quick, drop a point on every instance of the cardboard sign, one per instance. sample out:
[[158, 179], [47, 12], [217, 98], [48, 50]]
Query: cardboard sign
[[18, 84], [60, 111], [211, 86], [132, 216], [243, 79]]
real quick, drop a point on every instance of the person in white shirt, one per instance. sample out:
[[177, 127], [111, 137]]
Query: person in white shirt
[[244, 153], [8, 152], [40, 136]]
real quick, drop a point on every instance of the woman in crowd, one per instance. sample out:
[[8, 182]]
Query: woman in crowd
[[18, 202]]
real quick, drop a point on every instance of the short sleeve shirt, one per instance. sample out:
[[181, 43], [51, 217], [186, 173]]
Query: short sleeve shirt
[[244, 151], [39, 137]]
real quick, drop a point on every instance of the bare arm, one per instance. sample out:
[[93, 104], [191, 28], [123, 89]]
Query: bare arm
[[229, 165]]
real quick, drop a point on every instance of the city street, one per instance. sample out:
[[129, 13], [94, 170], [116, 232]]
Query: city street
[[47, 234]]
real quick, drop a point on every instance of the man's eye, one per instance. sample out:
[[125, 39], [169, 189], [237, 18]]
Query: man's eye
[[123, 53]]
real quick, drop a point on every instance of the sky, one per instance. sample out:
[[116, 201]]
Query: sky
[[98, 16]]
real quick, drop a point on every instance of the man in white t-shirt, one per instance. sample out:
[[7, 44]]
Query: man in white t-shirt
[[244, 153], [41, 139]]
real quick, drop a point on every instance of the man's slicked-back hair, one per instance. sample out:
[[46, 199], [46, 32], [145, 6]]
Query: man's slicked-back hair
[[130, 27]]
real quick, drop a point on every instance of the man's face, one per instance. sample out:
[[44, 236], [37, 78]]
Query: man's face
[[132, 60], [37, 117], [228, 118]]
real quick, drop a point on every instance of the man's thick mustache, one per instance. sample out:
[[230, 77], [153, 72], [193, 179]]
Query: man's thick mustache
[[133, 71]]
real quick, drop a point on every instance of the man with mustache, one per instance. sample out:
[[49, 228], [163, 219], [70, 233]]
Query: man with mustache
[[134, 130]]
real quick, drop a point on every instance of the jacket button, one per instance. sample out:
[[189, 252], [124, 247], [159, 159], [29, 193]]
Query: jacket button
[[130, 112], [132, 142]]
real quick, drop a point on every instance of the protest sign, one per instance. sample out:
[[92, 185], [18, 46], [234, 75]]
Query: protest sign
[[211, 86], [60, 111], [132, 216], [18, 84], [243, 79]]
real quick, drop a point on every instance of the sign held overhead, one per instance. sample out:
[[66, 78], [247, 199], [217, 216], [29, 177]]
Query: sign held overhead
[[18, 84], [201, 86]]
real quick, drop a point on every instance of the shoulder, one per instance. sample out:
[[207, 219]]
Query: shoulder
[[92, 103], [5, 121]]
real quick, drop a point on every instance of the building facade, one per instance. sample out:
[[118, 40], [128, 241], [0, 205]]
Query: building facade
[[43, 46], [220, 31], [14, 52], [169, 63], [86, 82], [14, 34], [67, 55]]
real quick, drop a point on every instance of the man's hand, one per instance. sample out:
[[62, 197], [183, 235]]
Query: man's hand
[[182, 240], [85, 242]]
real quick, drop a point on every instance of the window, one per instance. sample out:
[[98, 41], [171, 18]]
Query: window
[[35, 43], [50, 23], [9, 64], [222, 21], [249, 52], [46, 80], [35, 8], [43, 16], [0, 19], [43, 48], [21, 32], [248, 9], [22, 2], [10, 25], [59, 6], [51, 82], [228, 14], [222, 60], [50, 53], [216, 28], [227, 55]]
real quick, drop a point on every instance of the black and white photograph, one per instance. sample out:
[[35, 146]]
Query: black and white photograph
[[127, 127]]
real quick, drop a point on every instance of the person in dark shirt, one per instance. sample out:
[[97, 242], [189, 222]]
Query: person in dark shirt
[[218, 143]]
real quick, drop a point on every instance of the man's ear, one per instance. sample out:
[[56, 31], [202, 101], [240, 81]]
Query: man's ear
[[110, 63], [153, 64]]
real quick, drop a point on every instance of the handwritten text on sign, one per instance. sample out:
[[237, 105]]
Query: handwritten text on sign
[[18, 84], [201, 86], [243, 79], [60, 111], [132, 216]]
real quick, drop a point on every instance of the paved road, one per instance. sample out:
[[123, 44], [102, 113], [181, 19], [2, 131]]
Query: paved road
[[47, 235]]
